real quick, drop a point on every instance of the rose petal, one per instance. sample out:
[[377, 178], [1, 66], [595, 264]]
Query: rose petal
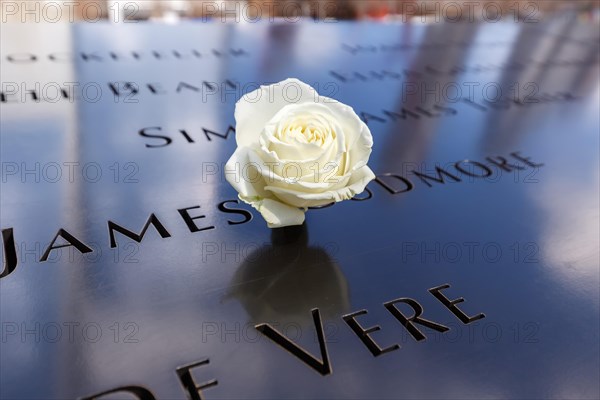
[[309, 113], [255, 109], [359, 140], [276, 213], [355, 185], [308, 183], [309, 169], [245, 175], [240, 167]]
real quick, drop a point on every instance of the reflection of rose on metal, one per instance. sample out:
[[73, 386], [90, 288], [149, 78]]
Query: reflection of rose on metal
[[280, 283]]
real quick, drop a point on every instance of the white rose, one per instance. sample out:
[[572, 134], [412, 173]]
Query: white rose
[[297, 149]]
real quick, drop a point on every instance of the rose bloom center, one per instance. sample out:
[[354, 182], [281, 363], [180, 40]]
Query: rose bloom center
[[312, 129]]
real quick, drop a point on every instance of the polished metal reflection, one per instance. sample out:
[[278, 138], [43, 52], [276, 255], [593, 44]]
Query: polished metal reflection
[[279, 282], [167, 302]]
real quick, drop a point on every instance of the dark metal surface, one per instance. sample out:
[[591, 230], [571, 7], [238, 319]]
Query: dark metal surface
[[519, 246]]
